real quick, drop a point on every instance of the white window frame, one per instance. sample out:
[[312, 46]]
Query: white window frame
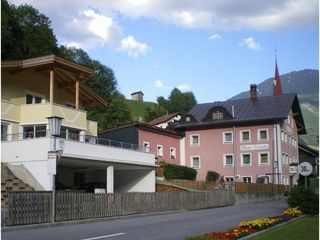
[[288, 119], [8, 134], [263, 140], [259, 157], [217, 115], [285, 137], [246, 165], [225, 160], [265, 177], [224, 137], [230, 177], [146, 146], [159, 151], [188, 119], [241, 139], [34, 94], [191, 161], [173, 156], [191, 139], [243, 177], [282, 135]]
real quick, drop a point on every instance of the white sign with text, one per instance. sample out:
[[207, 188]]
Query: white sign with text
[[252, 147]]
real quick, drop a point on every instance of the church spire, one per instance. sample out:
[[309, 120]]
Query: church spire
[[277, 88]]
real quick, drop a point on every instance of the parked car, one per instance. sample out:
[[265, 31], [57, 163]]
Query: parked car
[[90, 186]]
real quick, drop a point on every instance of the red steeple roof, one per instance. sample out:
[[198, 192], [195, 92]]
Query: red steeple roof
[[277, 88]]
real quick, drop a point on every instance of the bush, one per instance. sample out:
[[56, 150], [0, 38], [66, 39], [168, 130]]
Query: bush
[[305, 199], [212, 176], [172, 171]]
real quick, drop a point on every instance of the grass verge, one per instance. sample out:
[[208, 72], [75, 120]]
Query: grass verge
[[305, 228]]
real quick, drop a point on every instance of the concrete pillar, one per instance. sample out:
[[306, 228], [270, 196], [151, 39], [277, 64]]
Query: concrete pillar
[[110, 179]]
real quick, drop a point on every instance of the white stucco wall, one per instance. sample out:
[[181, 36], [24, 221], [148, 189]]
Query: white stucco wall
[[135, 181], [32, 154]]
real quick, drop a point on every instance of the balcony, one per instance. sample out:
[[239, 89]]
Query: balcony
[[37, 114]]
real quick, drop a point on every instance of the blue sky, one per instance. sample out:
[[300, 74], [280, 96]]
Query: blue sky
[[215, 49]]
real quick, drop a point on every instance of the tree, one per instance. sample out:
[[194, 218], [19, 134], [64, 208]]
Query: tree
[[25, 33], [177, 102], [115, 114], [104, 83]]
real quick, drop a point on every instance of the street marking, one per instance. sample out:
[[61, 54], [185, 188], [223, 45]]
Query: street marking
[[105, 236]]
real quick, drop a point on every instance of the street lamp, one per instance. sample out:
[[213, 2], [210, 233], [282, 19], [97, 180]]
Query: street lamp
[[54, 123]]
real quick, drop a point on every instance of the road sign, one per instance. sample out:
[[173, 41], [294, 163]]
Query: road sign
[[305, 169], [52, 163]]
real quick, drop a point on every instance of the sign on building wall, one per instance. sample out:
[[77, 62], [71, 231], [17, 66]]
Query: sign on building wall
[[252, 147]]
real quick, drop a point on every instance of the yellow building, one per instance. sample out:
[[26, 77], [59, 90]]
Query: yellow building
[[33, 90]]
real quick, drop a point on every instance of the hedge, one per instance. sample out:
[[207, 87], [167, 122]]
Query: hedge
[[172, 171]]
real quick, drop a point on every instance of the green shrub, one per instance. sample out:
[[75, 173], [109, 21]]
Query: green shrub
[[172, 171], [212, 176], [305, 199]]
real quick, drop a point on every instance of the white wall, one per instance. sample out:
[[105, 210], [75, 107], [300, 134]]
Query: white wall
[[105, 153], [32, 154], [135, 181]]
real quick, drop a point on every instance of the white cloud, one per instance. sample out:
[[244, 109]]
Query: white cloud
[[250, 43], [215, 37], [159, 84], [184, 87], [133, 47], [93, 23]]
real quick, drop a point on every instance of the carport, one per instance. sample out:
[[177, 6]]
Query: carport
[[114, 177]]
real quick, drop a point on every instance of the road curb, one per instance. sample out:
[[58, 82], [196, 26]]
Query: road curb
[[271, 228]]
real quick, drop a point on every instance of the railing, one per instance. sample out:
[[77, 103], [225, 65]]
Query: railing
[[34, 207], [75, 137]]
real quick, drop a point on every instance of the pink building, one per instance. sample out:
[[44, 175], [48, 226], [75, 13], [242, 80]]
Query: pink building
[[248, 140], [164, 143]]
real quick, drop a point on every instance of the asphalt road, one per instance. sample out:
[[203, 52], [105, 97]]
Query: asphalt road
[[167, 226]]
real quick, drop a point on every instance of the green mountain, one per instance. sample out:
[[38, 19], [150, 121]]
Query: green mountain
[[306, 84], [138, 108]]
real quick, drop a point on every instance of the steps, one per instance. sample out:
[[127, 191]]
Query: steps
[[9, 183]]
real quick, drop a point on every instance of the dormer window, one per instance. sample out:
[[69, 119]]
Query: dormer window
[[188, 119], [217, 115]]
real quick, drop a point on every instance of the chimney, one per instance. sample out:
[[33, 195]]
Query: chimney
[[253, 91]]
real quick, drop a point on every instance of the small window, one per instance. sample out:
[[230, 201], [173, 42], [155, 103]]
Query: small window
[[285, 137], [263, 135], [29, 99], [160, 150], [32, 99], [34, 131], [217, 115], [264, 158], [188, 119], [146, 146], [4, 132], [229, 179], [247, 179], [228, 160], [172, 153], [288, 119], [246, 159], [227, 137], [282, 135], [195, 139], [195, 162], [245, 136]]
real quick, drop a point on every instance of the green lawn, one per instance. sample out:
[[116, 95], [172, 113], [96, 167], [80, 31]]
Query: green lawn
[[138, 108], [305, 228]]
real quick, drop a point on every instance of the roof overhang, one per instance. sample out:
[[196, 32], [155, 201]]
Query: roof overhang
[[66, 74]]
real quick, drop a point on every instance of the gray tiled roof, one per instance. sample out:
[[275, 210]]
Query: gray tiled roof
[[246, 110]]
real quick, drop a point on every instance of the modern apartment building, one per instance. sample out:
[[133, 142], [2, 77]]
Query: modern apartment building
[[33, 90]]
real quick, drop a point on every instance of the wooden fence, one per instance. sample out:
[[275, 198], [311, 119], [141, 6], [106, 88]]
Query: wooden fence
[[34, 207], [259, 188]]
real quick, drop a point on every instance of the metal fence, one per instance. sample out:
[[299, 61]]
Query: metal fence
[[34, 207]]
